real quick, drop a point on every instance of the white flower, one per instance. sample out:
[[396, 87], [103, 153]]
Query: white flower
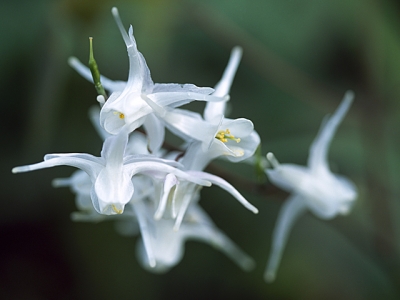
[[161, 247], [214, 135], [111, 174], [314, 187], [127, 106]]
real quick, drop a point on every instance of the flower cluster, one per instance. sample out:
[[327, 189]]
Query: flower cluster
[[140, 184], [155, 192]]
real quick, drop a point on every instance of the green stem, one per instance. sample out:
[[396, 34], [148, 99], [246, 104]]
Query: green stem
[[95, 72]]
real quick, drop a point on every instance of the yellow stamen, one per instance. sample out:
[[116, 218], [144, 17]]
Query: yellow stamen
[[225, 135], [114, 208], [120, 115]]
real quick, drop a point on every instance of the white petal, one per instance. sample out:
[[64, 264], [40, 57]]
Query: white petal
[[288, 176], [146, 233], [137, 144], [248, 145], [131, 159], [169, 183], [290, 211], [185, 194], [223, 86], [195, 158], [175, 87], [240, 127], [149, 167], [155, 131], [90, 167], [319, 149], [114, 148], [227, 187], [327, 196], [169, 98]]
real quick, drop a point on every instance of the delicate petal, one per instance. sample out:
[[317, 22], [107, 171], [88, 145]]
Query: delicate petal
[[186, 194], [90, 167], [227, 187], [248, 146], [175, 87], [146, 232], [224, 85], [83, 156], [137, 144], [287, 176], [149, 167], [222, 88], [169, 183], [131, 159], [290, 211], [169, 98], [319, 149], [155, 132], [195, 159], [114, 148], [328, 196], [136, 72]]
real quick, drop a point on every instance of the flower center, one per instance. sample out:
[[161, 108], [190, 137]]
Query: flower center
[[120, 115], [225, 135]]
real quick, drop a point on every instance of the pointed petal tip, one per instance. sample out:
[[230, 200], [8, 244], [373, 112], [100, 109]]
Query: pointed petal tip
[[269, 276], [73, 61], [237, 49], [236, 55], [157, 215], [20, 169], [114, 11], [176, 226], [60, 182], [117, 18], [152, 263], [272, 160], [248, 265], [349, 94]]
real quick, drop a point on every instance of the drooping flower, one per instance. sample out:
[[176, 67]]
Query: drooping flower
[[126, 105], [313, 188], [161, 247], [111, 173]]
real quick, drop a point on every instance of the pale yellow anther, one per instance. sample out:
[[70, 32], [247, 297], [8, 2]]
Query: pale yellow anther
[[225, 135], [118, 211]]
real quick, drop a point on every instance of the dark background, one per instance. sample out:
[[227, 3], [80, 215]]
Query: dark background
[[299, 59]]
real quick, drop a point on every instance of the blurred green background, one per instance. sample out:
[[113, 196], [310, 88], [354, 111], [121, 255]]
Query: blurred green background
[[299, 59]]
